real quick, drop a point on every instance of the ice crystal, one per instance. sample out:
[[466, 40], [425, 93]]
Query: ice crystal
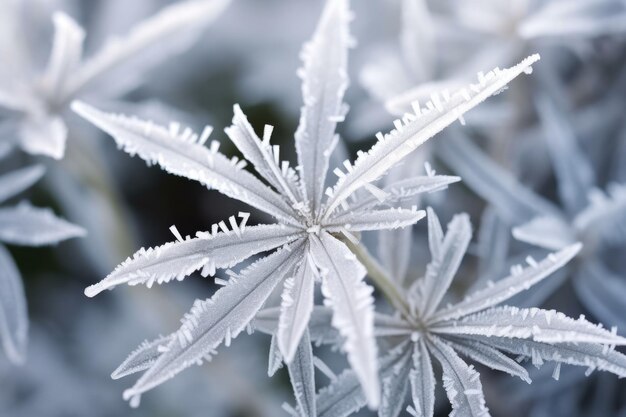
[[475, 327], [311, 223]]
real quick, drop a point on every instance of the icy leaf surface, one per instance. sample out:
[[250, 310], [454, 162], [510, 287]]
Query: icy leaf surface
[[353, 308]]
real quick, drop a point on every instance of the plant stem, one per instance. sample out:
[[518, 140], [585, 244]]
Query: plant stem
[[381, 279]]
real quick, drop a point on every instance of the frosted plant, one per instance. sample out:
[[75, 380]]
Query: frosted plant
[[475, 327], [22, 225], [36, 100], [312, 225], [587, 214], [479, 34]]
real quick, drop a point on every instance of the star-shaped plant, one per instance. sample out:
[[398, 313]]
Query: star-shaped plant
[[474, 327], [312, 225], [36, 100], [22, 225]]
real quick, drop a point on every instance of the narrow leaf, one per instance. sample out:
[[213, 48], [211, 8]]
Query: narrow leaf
[[351, 299], [275, 360], [324, 82], [422, 381], [394, 385], [591, 355], [418, 128], [184, 154], [406, 190], [302, 376], [142, 358], [441, 271], [547, 326], [393, 218], [296, 308], [462, 382], [394, 251], [435, 234], [490, 357], [507, 287], [260, 154], [180, 258]]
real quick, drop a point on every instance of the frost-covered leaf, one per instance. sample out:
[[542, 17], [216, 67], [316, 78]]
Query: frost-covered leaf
[[32, 226], [149, 43], [514, 202], [296, 308], [180, 258], [393, 218], [275, 360], [462, 382], [19, 180], [143, 357], [435, 234], [416, 128], [548, 232], [441, 271], [490, 357], [405, 191], [591, 355], [13, 314], [302, 376], [351, 299], [518, 281], [394, 385], [394, 251], [218, 319], [262, 155], [184, 154], [324, 82], [422, 381], [548, 326]]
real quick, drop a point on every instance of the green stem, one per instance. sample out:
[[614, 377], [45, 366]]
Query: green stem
[[381, 279]]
